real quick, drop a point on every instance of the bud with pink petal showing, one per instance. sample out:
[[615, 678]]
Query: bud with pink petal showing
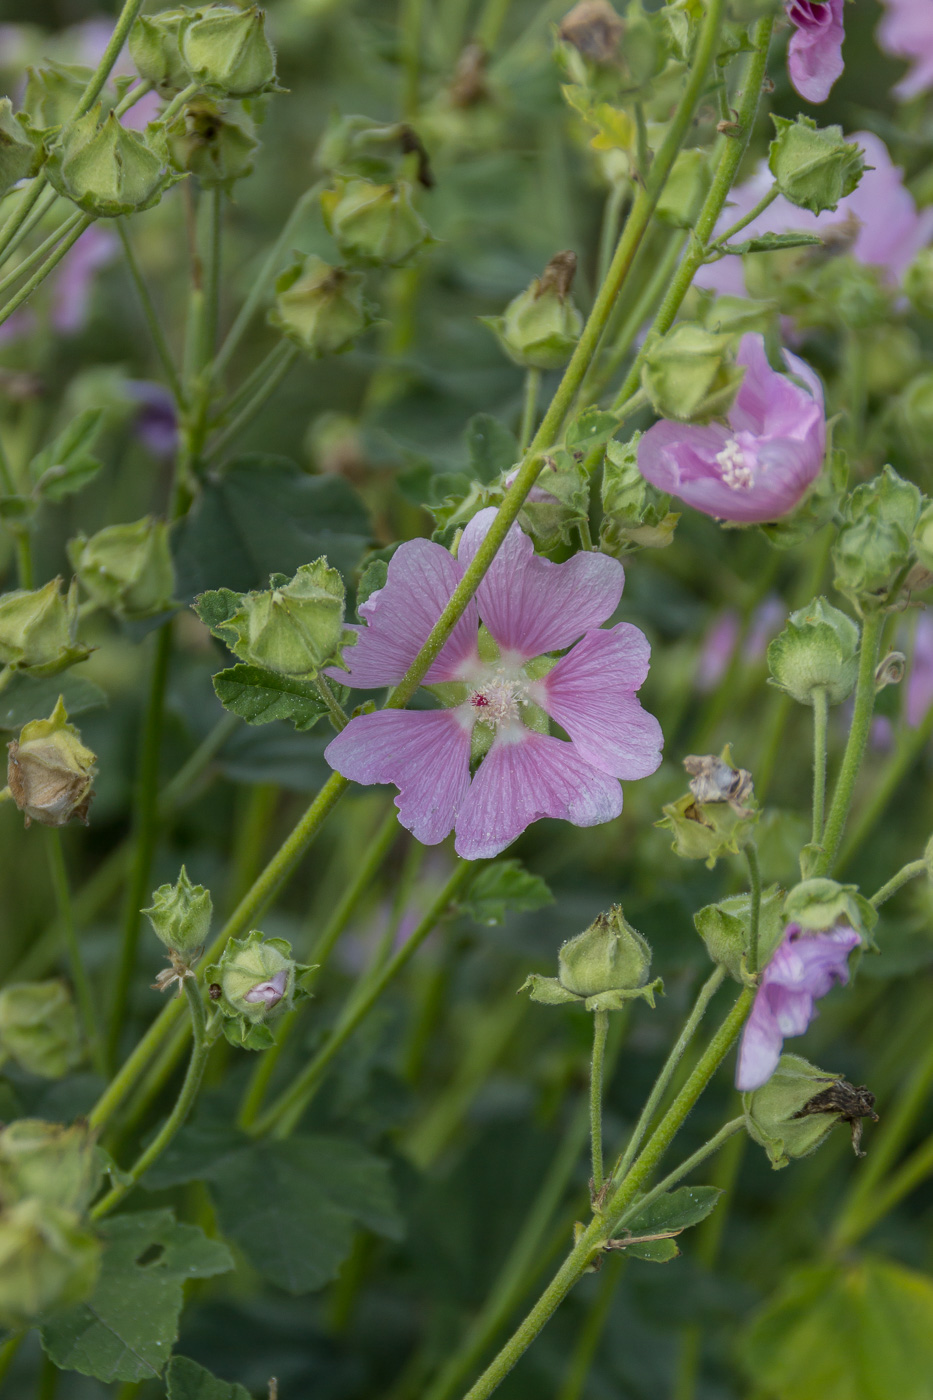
[[257, 979]]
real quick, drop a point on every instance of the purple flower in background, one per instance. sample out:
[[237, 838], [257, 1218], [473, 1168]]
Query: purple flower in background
[[758, 467], [156, 423], [918, 696], [717, 650], [530, 606], [814, 54], [269, 993], [72, 289], [767, 620], [803, 968], [906, 31]]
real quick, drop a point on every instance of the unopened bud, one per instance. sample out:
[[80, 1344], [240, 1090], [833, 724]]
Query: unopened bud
[[50, 772], [820, 904], [107, 170], [58, 1165], [689, 375], [47, 1260], [214, 142], [20, 153], [374, 225], [817, 650], [814, 167], [295, 627], [320, 307], [39, 1028], [541, 326], [127, 568], [773, 1115], [180, 915], [602, 968], [257, 978], [226, 49], [38, 629], [874, 544], [636, 515], [154, 49], [725, 928]]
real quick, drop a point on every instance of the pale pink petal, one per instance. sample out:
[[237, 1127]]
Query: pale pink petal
[[814, 54], [399, 617], [531, 605], [526, 776], [760, 1048], [792, 1010], [424, 753], [770, 403], [591, 694]]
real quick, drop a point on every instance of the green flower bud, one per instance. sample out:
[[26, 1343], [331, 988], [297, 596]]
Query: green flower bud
[[180, 915], [771, 1111], [50, 772], [47, 1260], [52, 93], [154, 48], [61, 1166], [923, 537], [874, 542], [374, 225], [918, 282], [604, 967], [127, 568], [39, 1028], [818, 650], [256, 979], [688, 373], [541, 326], [107, 170], [635, 514], [820, 904], [320, 307], [813, 166], [20, 154], [295, 627], [226, 48], [725, 929], [717, 815], [214, 142], [38, 629], [359, 145]]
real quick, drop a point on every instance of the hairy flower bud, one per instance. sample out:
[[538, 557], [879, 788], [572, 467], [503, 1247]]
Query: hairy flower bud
[[107, 170], [50, 772], [258, 978], [813, 166], [820, 904], [603, 967], [541, 326], [689, 375], [47, 1260], [38, 629], [319, 307], [874, 544], [771, 1112], [213, 141], [180, 915], [57, 1165], [127, 568], [295, 627], [20, 153], [818, 650], [374, 225], [226, 49], [636, 515], [154, 49], [39, 1028], [725, 929]]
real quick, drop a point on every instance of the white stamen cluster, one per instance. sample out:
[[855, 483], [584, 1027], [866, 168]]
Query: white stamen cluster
[[734, 468], [496, 700]]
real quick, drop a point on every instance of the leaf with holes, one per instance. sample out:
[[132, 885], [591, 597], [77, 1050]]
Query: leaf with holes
[[186, 1380], [260, 696], [676, 1210], [126, 1329]]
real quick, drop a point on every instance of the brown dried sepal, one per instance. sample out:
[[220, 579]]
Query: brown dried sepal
[[558, 275], [849, 1103], [44, 787], [715, 780], [594, 29]]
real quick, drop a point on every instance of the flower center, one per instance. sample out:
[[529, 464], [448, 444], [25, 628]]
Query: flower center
[[496, 700], [735, 468]]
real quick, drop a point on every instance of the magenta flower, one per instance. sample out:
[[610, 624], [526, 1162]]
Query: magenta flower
[[499, 702], [269, 993], [906, 31], [814, 54], [803, 968], [758, 467]]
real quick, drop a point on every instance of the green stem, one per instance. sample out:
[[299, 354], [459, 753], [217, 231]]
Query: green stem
[[145, 827], [754, 919], [856, 742], [50, 264], [250, 384], [857, 1223], [16, 221], [8, 1350], [177, 102], [707, 992], [39, 254], [130, 98], [641, 309], [491, 20], [760, 207], [532, 385], [281, 1117], [34, 217], [686, 1167], [909, 748], [609, 233], [283, 361], [410, 22], [590, 1335], [820, 719], [179, 787], [215, 209], [21, 538], [83, 992], [189, 1092], [600, 1031], [150, 314], [111, 53], [906, 873]]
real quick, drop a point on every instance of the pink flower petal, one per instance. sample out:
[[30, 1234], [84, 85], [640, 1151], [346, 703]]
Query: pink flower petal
[[526, 776], [770, 403], [591, 693], [760, 1048], [399, 617], [814, 55], [531, 605], [424, 753]]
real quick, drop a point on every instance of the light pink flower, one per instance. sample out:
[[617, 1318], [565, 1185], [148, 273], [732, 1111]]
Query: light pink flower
[[530, 607], [269, 993], [814, 54], [759, 466], [906, 31], [803, 968], [918, 696], [71, 292], [717, 650]]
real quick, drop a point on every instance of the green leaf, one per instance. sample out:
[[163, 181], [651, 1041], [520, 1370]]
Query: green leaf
[[125, 1331], [768, 242], [260, 696], [29, 697], [65, 466], [847, 1331], [504, 887], [493, 449], [186, 1380], [590, 428], [215, 608], [653, 1251], [265, 515], [675, 1210], [373, 579]]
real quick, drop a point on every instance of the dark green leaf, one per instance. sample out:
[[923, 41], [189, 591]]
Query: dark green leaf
[[676, 1210], [373, 578], [65, 466], [216, 607], [260, 696], [769, 242], [493, 449], [125, 1331], [186, 1380], [31, 697], [654, 1251], [15, 510], [590, 428], [506, 886], [265, 515]]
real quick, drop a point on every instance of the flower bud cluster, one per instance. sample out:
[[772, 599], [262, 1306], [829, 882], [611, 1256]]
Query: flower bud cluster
[[222, 47], [255, 980], [602, 969]]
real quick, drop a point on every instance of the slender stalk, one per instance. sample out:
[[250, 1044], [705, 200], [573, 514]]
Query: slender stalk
[[150, 314], [609, 233], [215, 206], [338, 715], [19, 216], [50, 264], [83, 992], [284, 360], [21, 538], [189, 1092], [856, 743], [857, 1223], [591, 1333], [707, 992], [38, 254], [49, 1376], [686, 1167], [530, 403], [754, 920], [177, 102], [410, 23], [764, 203], [250, 384], [906, 873], [288, 1108], [92, 91], [600, 1031], [8, 1350], [909, 748], [179, 788], [35, 216], [134, 95], [820, 719], [491, 20]]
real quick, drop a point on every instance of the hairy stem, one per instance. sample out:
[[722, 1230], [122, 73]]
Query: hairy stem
[[820, 718], [530, 403], [754, 919], [904, 875], [600, 1031], [150, 314]]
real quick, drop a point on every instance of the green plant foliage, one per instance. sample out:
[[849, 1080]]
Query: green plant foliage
[[260, 696], [504, 887], [186, 1380]]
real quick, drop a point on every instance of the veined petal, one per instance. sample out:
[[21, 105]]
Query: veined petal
[[760, 1047], [591, 694], [531, 605], [424, 753], [399, 617], [526, 776], [768, 403]]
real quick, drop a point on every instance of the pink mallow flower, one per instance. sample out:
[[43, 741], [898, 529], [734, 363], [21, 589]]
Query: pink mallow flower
[[271, 992], [803, 968], [759, 466], [500, 706], [906, 31], [814, 54]]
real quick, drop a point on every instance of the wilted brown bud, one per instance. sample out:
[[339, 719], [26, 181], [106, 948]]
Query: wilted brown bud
[[594, 29], [50, 771], [714, 779], [558, 275]]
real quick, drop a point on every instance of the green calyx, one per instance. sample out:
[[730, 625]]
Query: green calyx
[[214, 141], [38, 629], [180, 915], [725, 929], [226, 50], [255, 980], [874, 546], [127, 569], [39, 1028], [636, 515], [374, 225], [603, 968], [820, 904], [107, 170], [814, 167], [321, 308], [59, 1166], [770, 1112], [817, 650], [541, 326], [294, 627], [48, 1259], [689, 374]]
